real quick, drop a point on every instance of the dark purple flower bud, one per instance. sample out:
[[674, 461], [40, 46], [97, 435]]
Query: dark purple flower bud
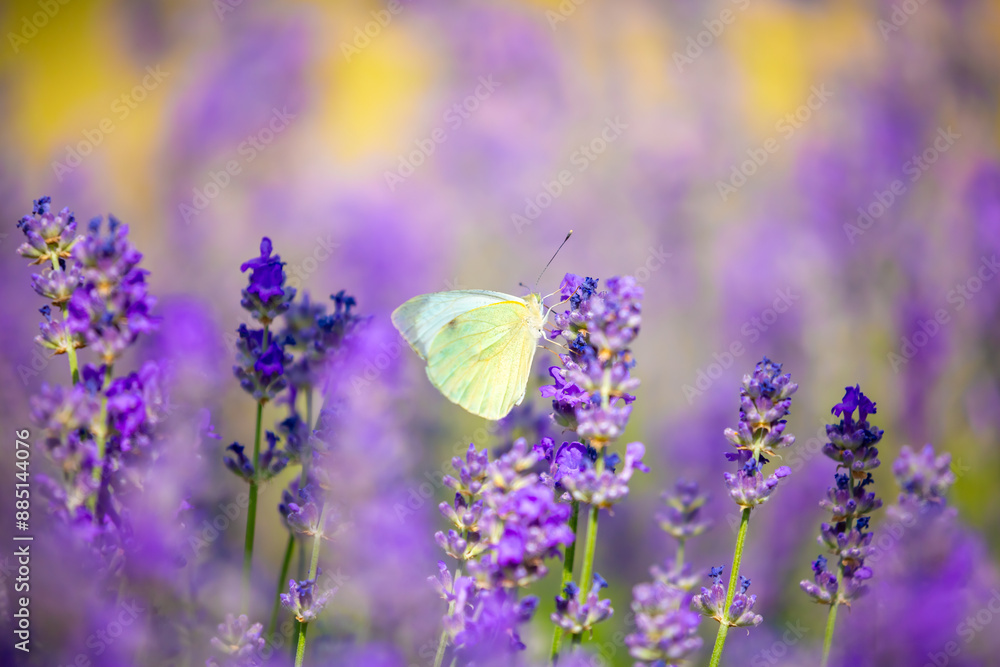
[[266, 296]]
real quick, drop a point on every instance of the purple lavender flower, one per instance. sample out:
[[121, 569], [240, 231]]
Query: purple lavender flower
[[681, 519], [316, 336], [111, 307], [923, 476], [765, 398], [749, 487], [577, 613], [666, 629], [50, 236], [266, 296], [261, 372], [239, 642], [852, 446], [304, 511], [606, 487], [712, 603], [483, 623], [303, 600], [591, 392]]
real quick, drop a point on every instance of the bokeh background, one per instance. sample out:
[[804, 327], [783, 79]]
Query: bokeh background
[[721, 152]]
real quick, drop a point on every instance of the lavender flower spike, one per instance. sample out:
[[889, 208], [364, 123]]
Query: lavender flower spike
[[577, 614], [666, 629], [712, 602]]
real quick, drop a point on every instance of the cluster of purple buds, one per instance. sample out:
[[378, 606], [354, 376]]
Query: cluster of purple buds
[[99, 429], [305, 511], [482, 622], [259, 369], [511, 526], [505, 524], [712, 602], [605, 486], [271, 461], [111, 305], [853, 446], [923, 476], [238, 642], [50, 236], [266, 296], [666, 628], [682, 518], [573, 474], [314, 335], [578, 612], [592, 389], [303, 600], [765, 399]]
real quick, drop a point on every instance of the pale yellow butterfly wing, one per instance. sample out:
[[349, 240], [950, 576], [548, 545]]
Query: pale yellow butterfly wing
[[421, 318], [481, 359]]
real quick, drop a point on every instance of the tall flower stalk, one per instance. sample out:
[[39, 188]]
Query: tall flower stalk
[[101, 430], [666, 628], [261, 361], [765, 398], [591, 396], [847, 537]]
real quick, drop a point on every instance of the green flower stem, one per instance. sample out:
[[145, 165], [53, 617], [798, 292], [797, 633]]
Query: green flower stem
[[252, 506], [720, 638], [831, 622], [567, 576], [251, 513], [831, 619], [587, 571], [290, 545], [300, 650], [679, 558], [282, 582]]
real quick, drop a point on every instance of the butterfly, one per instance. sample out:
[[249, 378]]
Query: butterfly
[[478, 345]]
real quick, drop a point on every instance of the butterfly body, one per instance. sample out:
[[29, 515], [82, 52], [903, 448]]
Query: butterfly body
[[478, 344]]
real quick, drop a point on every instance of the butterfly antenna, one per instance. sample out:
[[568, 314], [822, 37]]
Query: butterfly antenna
[[553, 257]]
